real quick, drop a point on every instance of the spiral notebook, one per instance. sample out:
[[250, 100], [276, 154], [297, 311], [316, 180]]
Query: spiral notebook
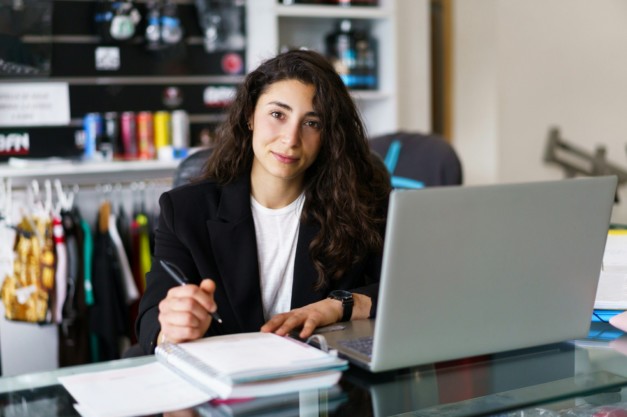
[[251, 364]]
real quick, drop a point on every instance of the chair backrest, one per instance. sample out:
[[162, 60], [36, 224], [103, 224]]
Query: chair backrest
[[414, 158], [191, 167]]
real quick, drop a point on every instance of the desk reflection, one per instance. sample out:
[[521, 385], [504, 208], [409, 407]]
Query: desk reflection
[[499, 384]]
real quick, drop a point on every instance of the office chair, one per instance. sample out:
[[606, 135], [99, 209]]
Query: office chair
[[417, 160], [191, 167]]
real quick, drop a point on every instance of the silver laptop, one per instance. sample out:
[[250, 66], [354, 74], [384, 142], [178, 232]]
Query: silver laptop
[[482, 269]]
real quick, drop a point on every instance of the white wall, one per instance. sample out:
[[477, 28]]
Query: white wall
[[413, 65], [522, 67], [27, 347], [475, 89]]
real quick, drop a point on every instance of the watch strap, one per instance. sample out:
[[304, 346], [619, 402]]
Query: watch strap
[[347, 300], [347, 307]]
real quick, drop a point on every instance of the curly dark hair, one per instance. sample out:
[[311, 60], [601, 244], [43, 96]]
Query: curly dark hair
[[346, 190]]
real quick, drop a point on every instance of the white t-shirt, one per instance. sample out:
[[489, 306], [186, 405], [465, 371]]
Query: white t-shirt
[[277, 235]]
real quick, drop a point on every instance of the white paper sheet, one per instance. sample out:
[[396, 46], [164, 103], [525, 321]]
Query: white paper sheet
[[139, 390], [612, 289]]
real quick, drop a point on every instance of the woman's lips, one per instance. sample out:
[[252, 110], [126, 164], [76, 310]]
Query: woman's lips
[[285, 158]]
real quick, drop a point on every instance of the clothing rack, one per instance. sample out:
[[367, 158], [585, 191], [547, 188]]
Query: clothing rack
[[144, 189], [123, 195], [76, 186]]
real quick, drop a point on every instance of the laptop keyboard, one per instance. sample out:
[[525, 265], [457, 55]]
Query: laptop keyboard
[[362, 345]]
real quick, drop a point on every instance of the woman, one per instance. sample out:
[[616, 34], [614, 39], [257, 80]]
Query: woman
[[291, 209]]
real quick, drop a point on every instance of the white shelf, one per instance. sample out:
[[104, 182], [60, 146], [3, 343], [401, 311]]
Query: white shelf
[[401, 29], [136, 80], [88, 173], [370, 95], [335, 12]]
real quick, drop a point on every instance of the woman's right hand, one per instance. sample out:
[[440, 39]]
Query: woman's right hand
[[184, 312]]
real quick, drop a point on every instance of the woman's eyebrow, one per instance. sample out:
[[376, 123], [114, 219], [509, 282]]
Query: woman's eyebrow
[[289, 108], [281, 104]]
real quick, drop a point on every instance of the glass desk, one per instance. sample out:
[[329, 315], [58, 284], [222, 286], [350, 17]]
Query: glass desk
[[575, 379]]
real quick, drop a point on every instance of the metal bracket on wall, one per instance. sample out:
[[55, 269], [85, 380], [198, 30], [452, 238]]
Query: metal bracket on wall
[[577, 161]]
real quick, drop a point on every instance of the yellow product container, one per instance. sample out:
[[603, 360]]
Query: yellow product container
[[162, 129]]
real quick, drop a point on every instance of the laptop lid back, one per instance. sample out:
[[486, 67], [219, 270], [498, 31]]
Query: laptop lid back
[[481, 269]]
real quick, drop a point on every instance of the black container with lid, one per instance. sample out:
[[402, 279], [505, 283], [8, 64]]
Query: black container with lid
[[352, 52]]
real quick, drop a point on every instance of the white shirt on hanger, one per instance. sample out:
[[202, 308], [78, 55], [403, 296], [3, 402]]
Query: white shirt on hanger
[[130, 288]]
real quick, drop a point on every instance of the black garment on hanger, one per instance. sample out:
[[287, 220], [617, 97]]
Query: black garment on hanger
[[74, 329], [109, 316], [123, 224]]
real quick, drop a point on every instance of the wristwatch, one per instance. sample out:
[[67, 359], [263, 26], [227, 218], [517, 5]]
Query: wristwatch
[[347, 302]]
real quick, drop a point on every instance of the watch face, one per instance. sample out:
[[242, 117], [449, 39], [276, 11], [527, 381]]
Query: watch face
[[341, 295]]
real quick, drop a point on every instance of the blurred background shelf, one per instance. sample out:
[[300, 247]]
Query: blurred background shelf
[[87, 173]]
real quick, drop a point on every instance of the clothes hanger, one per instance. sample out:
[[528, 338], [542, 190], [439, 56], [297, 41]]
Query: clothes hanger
[[6, 198], [72, 195], [142, 200], [35, 203], [34, 209], [64, 200], [7, 228], [47, 203], [105, 210]]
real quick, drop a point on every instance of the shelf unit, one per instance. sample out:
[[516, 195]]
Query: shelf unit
[[397, 25], [402, 101], [88, 173]]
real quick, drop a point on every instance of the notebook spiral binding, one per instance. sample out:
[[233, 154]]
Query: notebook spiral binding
[[178, 359], [319, 341]]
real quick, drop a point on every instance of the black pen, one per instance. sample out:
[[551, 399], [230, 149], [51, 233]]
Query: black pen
[[178, 275]]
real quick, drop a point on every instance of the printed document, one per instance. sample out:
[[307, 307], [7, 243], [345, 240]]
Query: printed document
[[612, 289]]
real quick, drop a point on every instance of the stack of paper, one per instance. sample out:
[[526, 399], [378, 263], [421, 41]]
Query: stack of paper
[[612, 289], [245, 365]]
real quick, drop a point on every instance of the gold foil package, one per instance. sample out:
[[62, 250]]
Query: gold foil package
[[27, 292]]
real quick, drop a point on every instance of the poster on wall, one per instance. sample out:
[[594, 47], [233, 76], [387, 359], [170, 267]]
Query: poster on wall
[[34, 104], [25, 38]]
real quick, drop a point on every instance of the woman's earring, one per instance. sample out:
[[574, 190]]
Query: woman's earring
[[249, 126]]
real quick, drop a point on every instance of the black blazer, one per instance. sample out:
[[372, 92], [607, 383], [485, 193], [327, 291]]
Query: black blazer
[[208, 231]]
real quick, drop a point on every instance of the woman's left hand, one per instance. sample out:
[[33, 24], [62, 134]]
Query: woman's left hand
[[318, 314]]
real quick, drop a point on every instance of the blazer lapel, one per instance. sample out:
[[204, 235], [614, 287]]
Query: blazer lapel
[[305, 274], [232, 236]]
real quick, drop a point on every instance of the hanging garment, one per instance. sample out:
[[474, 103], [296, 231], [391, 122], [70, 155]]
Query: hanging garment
[[27, 292], [123, 225], [136, 266], [74, 330], [131, 293], [88, 256], [145, 260], [108, 316], [135, 259], [61, 270], [7, 256], [127, 228]]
